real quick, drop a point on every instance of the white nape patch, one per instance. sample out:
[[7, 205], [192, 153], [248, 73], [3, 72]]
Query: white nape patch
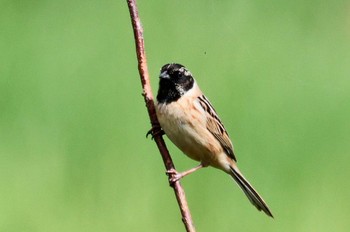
[[185, 71]]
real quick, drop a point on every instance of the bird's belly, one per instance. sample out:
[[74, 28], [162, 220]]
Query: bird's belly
[[189, 134], [185, 139]]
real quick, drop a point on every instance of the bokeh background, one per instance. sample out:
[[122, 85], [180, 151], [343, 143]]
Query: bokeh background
[[73, 152]]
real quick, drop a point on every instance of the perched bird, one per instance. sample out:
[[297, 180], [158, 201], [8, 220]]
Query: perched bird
[[192, 124]]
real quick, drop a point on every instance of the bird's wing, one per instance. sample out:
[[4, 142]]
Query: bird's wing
[[215, 126]]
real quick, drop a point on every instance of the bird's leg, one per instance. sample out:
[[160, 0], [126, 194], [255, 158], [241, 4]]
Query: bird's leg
[[175, 175], [155, 130]]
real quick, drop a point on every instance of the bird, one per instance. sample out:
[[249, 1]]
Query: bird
[[189, 120]]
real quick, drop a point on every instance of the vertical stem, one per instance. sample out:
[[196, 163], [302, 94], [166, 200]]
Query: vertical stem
[[148, 96]]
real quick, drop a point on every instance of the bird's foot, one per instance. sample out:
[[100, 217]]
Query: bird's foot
[[156, 130], [174, 176]]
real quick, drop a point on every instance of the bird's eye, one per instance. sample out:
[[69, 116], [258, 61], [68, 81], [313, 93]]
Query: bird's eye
[[176, 75]]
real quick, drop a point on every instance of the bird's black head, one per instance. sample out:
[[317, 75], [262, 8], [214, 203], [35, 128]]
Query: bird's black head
[[175, 81]]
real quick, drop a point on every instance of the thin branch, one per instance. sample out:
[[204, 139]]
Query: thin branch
[[148, 96]]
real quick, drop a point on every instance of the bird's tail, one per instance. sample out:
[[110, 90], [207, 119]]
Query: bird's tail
[[249, 191]]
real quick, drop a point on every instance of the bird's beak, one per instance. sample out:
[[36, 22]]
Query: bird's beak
[[164, 75]]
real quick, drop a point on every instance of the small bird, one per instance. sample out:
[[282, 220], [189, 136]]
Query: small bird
[[190, 121]]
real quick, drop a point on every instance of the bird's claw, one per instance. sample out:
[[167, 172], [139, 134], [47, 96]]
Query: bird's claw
[[155, 131], [173, 175], [149, 133]]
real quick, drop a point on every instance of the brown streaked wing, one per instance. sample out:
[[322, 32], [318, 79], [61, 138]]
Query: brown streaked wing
[[215, 126]]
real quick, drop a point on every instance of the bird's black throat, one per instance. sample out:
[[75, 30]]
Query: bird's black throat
[[167, 92]]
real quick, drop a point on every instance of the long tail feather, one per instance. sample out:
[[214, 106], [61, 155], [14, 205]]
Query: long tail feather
[[250, 192]]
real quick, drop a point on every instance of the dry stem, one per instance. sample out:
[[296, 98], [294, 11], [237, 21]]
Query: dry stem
[[148, 96]]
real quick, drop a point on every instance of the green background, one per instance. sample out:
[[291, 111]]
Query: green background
[[73, 152]]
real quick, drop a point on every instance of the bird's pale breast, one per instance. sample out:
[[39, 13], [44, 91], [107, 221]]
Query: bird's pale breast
[[184, 123]]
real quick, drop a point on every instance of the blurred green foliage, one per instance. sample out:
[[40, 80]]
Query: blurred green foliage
[[73, 153]]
